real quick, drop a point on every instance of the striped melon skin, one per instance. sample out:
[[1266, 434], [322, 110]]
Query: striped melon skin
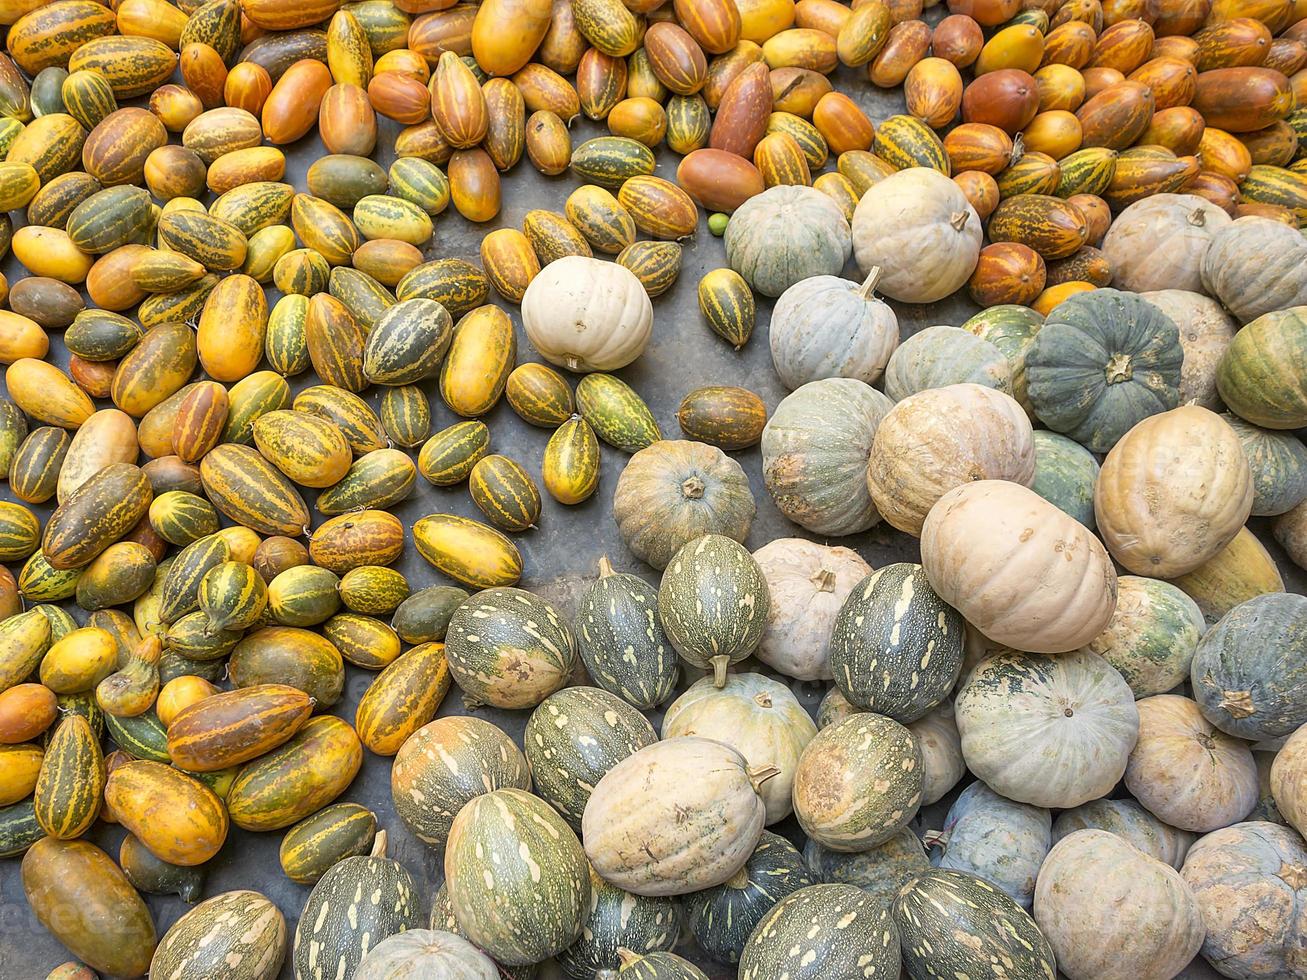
[[617, 414], [238, 935], [503, 490], [448, 456], [180, 590], [34, 473], [246, 488], [351, 414], [71, 780], [232, 727], [375, 481], [103, 509], [468, 551], [403, 698], [518, 879], [823, 931], [456, 285], [317, 842], [618, 920], [20, 531], [539, 395]]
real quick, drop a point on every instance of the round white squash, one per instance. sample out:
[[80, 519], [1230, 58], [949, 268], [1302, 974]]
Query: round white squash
[[1159, 242], [587, 315], [1021, 571], [426, 953], [1205, 332], [941, 438], [941, 751]]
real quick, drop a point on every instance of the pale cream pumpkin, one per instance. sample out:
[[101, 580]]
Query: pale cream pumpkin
[[1289, 780], [941, 752], [1290, 531], [587, 315], [1205, 332], [1159, 242]]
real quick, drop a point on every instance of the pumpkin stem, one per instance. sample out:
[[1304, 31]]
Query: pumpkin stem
[[763, 700], [572, 363], [824, 580], [761, 775], [934, 838], [1197, 217], [740, 880], [1239, 704], [719, 665], [378, 844], [959, 219], [1119, 369], [692, 488], [605, 567], [868, 289], [626, 957], [1018, 149]]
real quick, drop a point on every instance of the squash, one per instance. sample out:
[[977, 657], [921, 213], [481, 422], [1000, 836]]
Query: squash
[[1260, 374], [1173, 492], [1241, 571], [585, 314], [509, 648], [786, 234], [1288, 780], [446, 763], [1103, 361], [1159, 242], [1018, 569], [1248, 673], [1205, 332], [919, 229], [573, 738], [1065, 474], [942, 355], [941, 752], [426, 952], [152, 876], [240, 934], [806, 585], [1256, 265], [828, 327], [858, 783], [814, 455], [652, 830], [1152, 635], [955, 921], [1012, 330], [1111, 912], [673, 491], [317, 842], [1132, 823], [618, 921], [657, 966], [1075, 706], [822, 931], [1278, 461], [758, 717], [880, 871], [175, 816]]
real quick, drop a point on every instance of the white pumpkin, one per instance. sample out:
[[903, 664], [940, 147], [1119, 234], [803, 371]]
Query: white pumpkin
[[1159, 242], [756, 716], [922, 232], [1205, 332], [941, 751], [807, 583], [941, 438], [587, 315], [1021, 571], [1185, 771], [1111, 912], [426, 953], [1049, 731]]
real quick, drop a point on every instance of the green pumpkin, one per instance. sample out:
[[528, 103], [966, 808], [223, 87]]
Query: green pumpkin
[[1261, 374], [821, 932], [713, 602], [995, 838], [880, 871], [896, 646], [785, 234], [1249, 672], [1278, 461], [321, 840], [618, 920], [1012, 330], [1065, 474], [657, 966], [1103, 361], [239, 935], [1152, 635], [940, 356], [424, 616]]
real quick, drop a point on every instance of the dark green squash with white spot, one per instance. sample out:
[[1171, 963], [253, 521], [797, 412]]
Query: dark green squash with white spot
[[573, 738], [896, 646], [820, 932], [238, 935], [657, 966], [951, 923], [722, 917], [616, 920], [880, 872]]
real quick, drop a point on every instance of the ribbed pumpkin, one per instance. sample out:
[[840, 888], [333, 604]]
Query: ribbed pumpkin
[[240, 934], [1132, 823], [618, 920], [1260, 374], [944, 355], [1255, 265], [994, 838], [941, 752], [1159, 242], [786, 234], [828, 327], [426, 952], [822, 931], [880, 871], [1152, 635], [1278, 461], [606, 298], [1065, 474], [1205, 332]]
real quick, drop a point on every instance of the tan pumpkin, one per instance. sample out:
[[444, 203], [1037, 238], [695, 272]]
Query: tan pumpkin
[[1289, 780], [1159, 242], [1173, 492], [1205, 332], [587, 315], [941, 752], [1290, 530], [1021, 571]]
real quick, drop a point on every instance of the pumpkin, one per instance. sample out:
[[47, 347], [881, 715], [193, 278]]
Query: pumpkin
[[657, 966], [1205, 332], [1103, 361], [806, 585], [822, 931], [1289, 780], [1012, 330], [674, 491], [713, 603], [1187, 773], [1248, 882], [858, 783], [940, 438], [756, 716], [828, 327], [1261, 373], [1249, 673], [722, 917], [919, 229], [994, 838], [676, 817], [1278, 461], [618, 920], [1242, 570], [1075, 707], [237, 934], [1017, 568], [786, 234], [941, 752], [1173, 492], [1159, 242], [1132, 823], [585, 314], [517, 877], [880, 871], [1290, 532], [942, 355], [1256, 265], [1110, 912], [1152, 635], [426, 952], [1065, 474], [815, 449]]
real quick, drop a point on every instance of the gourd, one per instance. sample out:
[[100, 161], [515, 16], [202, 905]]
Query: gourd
[[1103, 361], [1021, 571], [1249, 672], [935, 440], [1205, 332], [1185, 772], [1132, 823], [921, 230], [1256, 265], [996, 839], [828, 327], [941, 752], [814, 455], [1289, 780], [1111, 912], [880, 871], [1278, 462], [806, 585], [1173, 492], [585, 314], [822, 931], [858, 783], [1065, 474], [1261, 374], [944, 355], [1152, 635], [678, 816], [1247, 880], [713, 603], [674, 491], [429, 953], [786, 234], [237, 934], [618, 920], [1159, 242], [1240, 571], [517, 877], [756, 716], [1074, 706], [657, 966]]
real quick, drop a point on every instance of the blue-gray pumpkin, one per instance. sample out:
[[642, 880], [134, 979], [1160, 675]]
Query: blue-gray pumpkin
[[785, 234]]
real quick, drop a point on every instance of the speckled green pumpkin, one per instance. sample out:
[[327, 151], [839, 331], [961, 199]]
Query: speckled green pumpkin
[[1278, 461], [619, 920], [880, 871], [238, 934], [658, 966], [442, 918], [1261, 373], [942, 355], [994, 838], [1065, 474], [785, 234], [1152, 635], [820, 932], [896, 646], [1012, 330]]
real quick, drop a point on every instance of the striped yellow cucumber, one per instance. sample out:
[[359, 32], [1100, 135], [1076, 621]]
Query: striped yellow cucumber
[[184, 305], [406, 415], [363, 641], [101, 511], [503, 490], [99, 335], [376, 480], [804, 133], [71, 780], [308, 449], [420, 182], [384, 216], [905, 141], [39, 581], [250, 491], [141, 736], [20, 531], [236, 726], [216, 244], [232, 595], [481, 355], [179, 594], [655, 264], [407, 342], [552, 236], [402, 698], [1086, 171], [346, 541], [155, 368], [365, 298], [180, 517], [348, 411], [305, 595], [285, 655], [610, 161], [616, 413], [24, 640], [571, 464], [336, 341], [317, 842], [132, 65], [456, 285], [48, 35], [51, 145], [109, 218], [539, 395], [249, 400], [468, 551], [254, 206], [55, 201], [373, 589], [1276, 185], [596, 213], [448, 456], [88, 97], [324, 227], [34, 473], [301, 272], [200, 420], [285, 344]]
